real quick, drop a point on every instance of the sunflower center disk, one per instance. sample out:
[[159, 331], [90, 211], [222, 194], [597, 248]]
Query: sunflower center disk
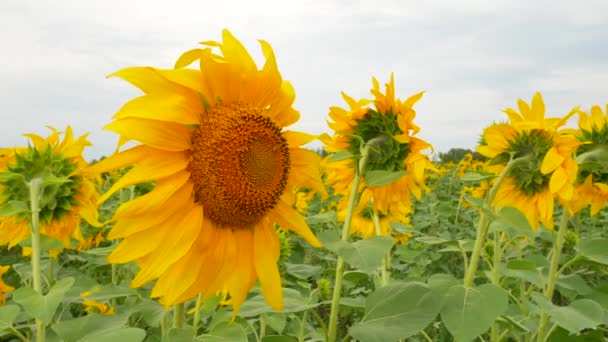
[[239, 164], [527, 176]]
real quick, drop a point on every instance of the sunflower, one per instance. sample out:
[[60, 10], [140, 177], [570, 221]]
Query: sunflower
[[592, 187], [389, 125], [213, 141], [546, 168], [4, 288], [68, 193]]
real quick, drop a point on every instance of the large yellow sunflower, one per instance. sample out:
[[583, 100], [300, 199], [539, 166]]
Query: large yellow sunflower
[[213, 141], [593, 170], [390, 125], [68, 195], [549, 170]]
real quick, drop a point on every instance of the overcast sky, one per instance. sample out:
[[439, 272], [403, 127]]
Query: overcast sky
[[473, 58]]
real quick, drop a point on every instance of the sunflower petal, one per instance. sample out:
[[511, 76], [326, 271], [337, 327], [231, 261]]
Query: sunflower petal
[[166, 136], [266, 251]]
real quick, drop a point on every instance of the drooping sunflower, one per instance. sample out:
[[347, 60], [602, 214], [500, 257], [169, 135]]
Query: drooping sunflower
[[390, 126], [547, 170], [4, 288], [213, 140], [592, 187], [68, 194]]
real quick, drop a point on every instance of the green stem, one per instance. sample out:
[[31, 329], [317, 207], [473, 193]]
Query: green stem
[[262, 327], [164, 325], [497, 255], [197, 314], [558, 244], [35, 188], [319, 321], [384, 275], [335, 302], [18, 334], [51, 276], [303, 327], [484, 223], [178, 316]]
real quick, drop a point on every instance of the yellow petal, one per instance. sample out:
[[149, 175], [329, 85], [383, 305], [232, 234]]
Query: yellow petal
[[160, 165], [122, 159], [297, 139], [234, 52], [306, 170], [166, 136], [289, 218], [156, 213], [551, 161], [172, 248], [558, 180], [171, 108], [266, 255]]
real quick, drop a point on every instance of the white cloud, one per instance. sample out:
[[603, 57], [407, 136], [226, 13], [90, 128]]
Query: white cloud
[[473, 58]]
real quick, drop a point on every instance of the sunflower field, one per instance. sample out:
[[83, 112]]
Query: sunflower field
[[213, 222]]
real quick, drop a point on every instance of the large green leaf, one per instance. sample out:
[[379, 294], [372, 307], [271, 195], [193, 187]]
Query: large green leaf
[[469, 312], [382, 177], [303, 271], [185, 334], [118, 335], [43, 307], [88, 326], [293, 301], [513, 222], [581, 314], [225, 332], [365, 255], [8, 315], [397, 311], [279, 338], [594, 250]]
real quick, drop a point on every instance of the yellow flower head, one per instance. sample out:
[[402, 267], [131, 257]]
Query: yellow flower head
[[592, 154], [390, 125], [213, 140], [546, 169], [68, 193], [4, 288], [93, 306]]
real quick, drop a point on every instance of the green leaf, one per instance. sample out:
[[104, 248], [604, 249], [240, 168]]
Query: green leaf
[[102, 293], [303, 271], [88, 326], [508, 217], [469, 312], [440, 283], [293, 301], [329, 216], [341, 155], [473, 177], [382, 177], [575, 283], [8, 315], [12, 208], [225, 332], [276, 321], [594, 250], [54, 180], [43, 307], [185, 334], [279, 338], [396, 311], [401, 228], [581, 314], [526, 270], [562, 335], [433, 240], [365, 255], [118, 335], [151, 311]]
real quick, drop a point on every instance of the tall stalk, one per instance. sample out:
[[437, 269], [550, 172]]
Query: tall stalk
[[35, 188], [335, 302], [484, 222], [384, 275], [178, 316], [558, 244]]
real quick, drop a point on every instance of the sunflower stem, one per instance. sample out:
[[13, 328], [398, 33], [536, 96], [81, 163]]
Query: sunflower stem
[[484, 222], [178, 316], [302, 332], [335, 302], [35, 188], [197, 313], [497, 255], [553, 270], [384, 275]]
